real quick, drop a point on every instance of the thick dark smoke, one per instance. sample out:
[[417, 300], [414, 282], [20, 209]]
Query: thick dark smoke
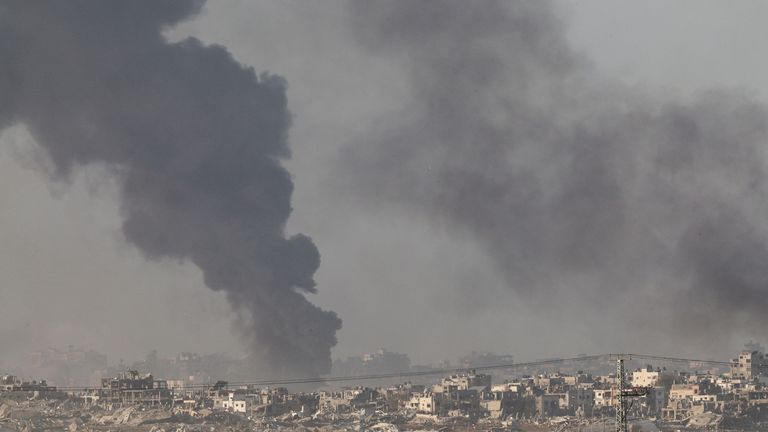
[[196, 140], [576, 186]]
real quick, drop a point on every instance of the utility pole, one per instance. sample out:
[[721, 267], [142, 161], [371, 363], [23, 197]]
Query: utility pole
[[623, 393], [621, 402]]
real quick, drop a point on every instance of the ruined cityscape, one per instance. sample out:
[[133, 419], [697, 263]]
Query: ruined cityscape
[[77, 390], [213, 215]]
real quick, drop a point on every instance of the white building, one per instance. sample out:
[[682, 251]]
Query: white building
[[604, 397], [425, 404], [233, 402], [645, 377]]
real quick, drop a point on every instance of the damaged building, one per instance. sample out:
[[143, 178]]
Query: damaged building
[[132, 388]]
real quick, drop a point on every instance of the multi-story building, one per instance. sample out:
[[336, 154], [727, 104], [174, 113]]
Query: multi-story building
[[548, 405], [604, 398], [684, 391], [464, 382], [132, 388], [580, 400], [235, 402], [426, 403], [657, 399], [646, 377], [749, 364]]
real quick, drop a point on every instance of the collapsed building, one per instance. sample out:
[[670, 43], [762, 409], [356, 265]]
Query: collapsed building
[[455, 395], [11, 383], [254, 401], [678, 398], [131, 388]]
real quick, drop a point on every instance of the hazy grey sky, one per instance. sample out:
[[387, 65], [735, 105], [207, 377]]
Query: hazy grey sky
[[397, 278]]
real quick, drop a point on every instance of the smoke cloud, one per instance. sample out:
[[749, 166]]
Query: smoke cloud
[[579, 188], [196, 140]]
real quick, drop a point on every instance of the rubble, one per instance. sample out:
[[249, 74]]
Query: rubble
[[552, 401]]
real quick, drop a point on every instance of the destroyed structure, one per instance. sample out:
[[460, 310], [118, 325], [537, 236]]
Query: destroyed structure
[[732, 399], [379, 362], [10, 383], [131, 388]]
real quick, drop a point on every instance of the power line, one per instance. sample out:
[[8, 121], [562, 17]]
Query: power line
[[419, 373], [315, 380], [679, 360]]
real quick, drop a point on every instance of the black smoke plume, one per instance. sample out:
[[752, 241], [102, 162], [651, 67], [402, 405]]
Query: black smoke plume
[[577, 186], [196, 140]]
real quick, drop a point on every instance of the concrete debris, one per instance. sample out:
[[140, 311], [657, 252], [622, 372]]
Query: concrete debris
[[384, 427], [566, 400], [705, 420]]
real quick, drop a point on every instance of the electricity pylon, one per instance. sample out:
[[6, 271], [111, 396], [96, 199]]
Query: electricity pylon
[[623, 393]]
